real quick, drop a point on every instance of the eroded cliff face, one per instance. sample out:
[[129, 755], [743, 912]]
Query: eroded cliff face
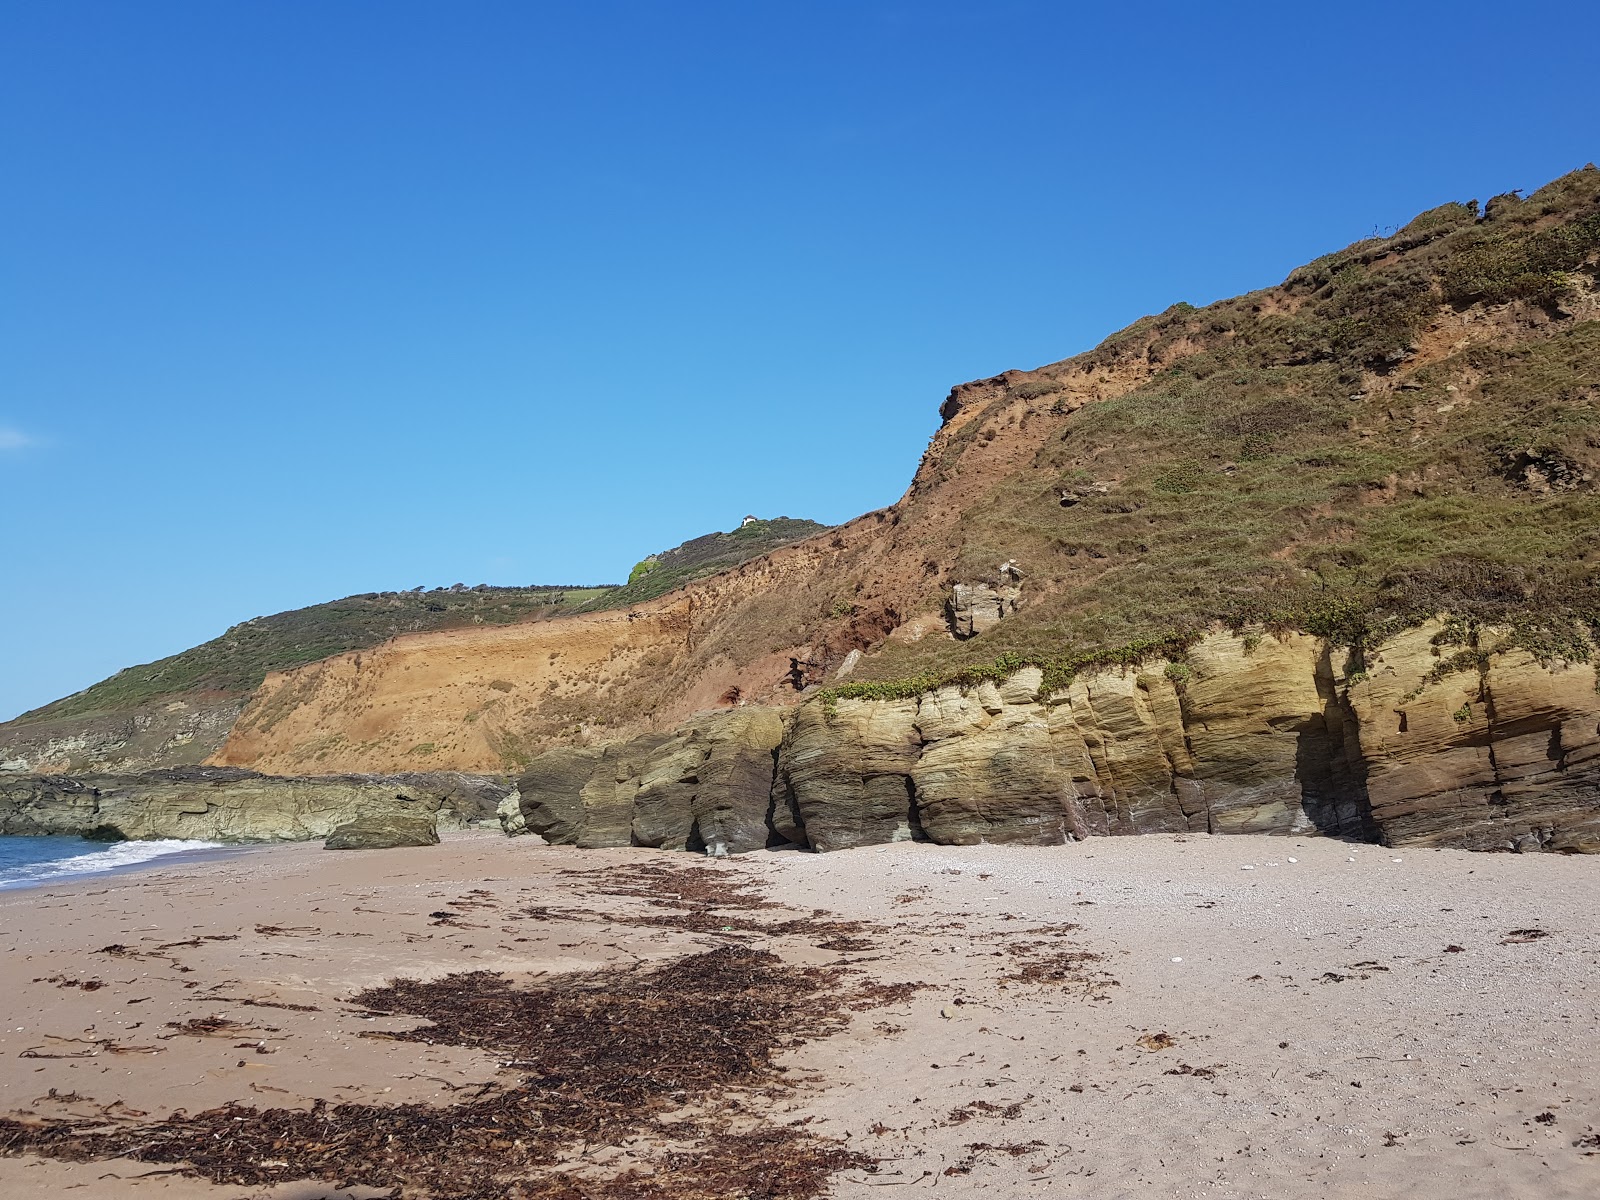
[[1244, 735], [230, 805], [465, 700], [1501, 753]]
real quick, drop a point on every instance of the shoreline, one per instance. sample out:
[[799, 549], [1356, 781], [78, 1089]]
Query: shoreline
[[1125, 1016], [172, 852]]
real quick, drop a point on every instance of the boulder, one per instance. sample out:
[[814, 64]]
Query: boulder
[[384, 831], [975, 608], [509, 811], [551, 792], [706, 786]]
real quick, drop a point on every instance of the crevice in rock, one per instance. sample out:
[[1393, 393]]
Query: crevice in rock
[[1330, 766]]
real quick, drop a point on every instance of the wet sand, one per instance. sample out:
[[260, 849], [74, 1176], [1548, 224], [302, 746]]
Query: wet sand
[[1123, 1017]]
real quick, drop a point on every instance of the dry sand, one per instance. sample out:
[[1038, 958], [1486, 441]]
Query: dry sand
[[1334, 1021]]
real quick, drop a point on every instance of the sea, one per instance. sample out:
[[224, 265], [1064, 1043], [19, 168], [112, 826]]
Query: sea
[[35, 861]]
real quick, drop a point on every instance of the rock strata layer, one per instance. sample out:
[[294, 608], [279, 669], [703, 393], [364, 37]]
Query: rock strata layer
[[1248, 734], [221, 804]]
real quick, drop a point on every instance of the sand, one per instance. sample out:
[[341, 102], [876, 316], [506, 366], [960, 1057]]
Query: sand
[[1331, 1021]]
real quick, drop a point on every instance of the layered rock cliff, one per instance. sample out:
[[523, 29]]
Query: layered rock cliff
[[1407, 428], [1244, 734]]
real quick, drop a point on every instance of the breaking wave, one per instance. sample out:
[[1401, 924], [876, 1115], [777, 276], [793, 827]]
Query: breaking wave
[[116, 857]]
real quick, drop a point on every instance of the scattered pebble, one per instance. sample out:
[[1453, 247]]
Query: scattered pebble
[[1294, 860], [1177, 960]]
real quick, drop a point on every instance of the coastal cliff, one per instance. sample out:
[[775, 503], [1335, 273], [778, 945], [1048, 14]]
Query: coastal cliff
[[1324, 557], [1243, 734]]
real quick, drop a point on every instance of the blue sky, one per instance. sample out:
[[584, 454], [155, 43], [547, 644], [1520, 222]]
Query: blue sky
[[301, 299]]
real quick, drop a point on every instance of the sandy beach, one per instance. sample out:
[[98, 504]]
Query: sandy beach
[[1164, 1015]]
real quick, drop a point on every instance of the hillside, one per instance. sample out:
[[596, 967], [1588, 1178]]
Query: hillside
[[1408, 427], [236, 663], [177, 710], [671, 569], [1401, 430], [1404, 428]]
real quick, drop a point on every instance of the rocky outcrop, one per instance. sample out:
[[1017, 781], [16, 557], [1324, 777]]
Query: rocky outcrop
[[385, 831], [1430, 742], [706, 786], [975, 608], [172, 733], [1246, 734], [1480, 745], [844, 776], [219, 804]]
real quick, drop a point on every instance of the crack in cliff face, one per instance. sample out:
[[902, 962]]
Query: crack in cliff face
[[1341, 806]]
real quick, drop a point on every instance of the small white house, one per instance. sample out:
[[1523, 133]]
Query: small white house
[[747, 521]]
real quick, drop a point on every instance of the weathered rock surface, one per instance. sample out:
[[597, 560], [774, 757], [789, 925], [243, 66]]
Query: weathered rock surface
[[975, 608], [1503, 755], [222, 804], [845, 779], [705, 786], [1256, 734], [385, 831]]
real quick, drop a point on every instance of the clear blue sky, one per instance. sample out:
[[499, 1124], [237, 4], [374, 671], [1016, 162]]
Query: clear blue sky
[[306, 298]]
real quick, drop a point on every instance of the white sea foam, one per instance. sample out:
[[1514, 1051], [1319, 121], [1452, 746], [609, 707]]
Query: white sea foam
[[117, 856]]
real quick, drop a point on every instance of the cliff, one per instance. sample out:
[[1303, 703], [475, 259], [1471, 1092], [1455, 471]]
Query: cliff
[[1404, 430], [1322, 557], [180, 710], [1241, 734]]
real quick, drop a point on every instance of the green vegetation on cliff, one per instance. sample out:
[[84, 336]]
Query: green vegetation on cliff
[[1405, 428], [672, 569]]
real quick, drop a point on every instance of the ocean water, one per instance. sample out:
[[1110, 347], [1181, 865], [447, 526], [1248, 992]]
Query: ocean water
[[31, 861]]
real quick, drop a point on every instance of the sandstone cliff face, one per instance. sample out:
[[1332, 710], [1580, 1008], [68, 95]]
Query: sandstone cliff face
[[1234, 740], [1245, 735], [228, 805], [1503, 755], [706, 786]]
